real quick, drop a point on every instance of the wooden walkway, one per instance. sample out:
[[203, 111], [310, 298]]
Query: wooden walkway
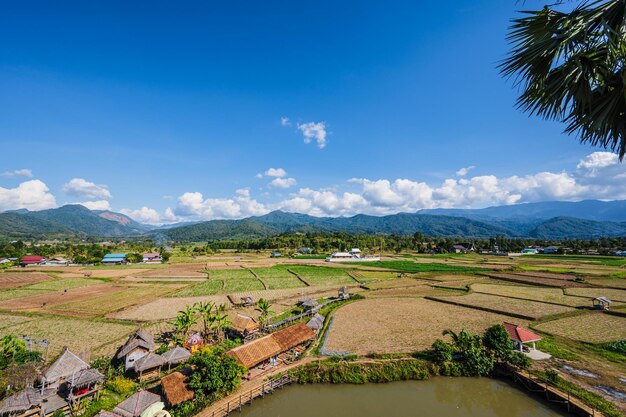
[[553, 394]]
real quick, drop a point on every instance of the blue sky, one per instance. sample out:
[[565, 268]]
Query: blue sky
[[171, 111]]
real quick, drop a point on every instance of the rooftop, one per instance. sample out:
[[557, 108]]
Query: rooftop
[[67, 365], [175, 389], [136, 404], [520, 334]]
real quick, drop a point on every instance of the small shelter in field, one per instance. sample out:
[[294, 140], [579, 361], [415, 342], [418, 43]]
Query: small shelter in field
[[316, 323], [343, 294], [243, 325], [175, 388], [86, 383], [521, 336], [601, 303], [308, 303], [142, 403], [269, 347], [138, 344], [176, 356], [149, 366]]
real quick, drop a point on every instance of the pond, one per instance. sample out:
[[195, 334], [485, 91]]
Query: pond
[[437, 397]]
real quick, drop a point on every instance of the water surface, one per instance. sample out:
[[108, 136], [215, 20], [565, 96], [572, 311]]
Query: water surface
[[437, 397]]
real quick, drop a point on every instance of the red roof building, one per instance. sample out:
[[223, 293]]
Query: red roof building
[[32, 260], [519, 335]]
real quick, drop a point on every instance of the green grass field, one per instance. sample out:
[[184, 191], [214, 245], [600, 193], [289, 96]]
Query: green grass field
[[321, 275], [410, 266], [224, 282], [278, 277]]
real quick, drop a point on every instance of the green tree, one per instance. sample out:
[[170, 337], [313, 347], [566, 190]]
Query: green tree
[[570, 67], [442, 351], [214, 373], [497, 339], [206, 312]]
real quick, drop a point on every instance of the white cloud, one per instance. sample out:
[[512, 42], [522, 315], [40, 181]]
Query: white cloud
[[258, 176], [31, 195], [193, 205], [96, 205], [144, 215], [276, 172], [283, 182], [28, 173], [598, 160], [284, 121], [464, 171], [79, 187], [314, 130]]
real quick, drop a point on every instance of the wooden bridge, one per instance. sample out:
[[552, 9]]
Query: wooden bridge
[[266, 387]]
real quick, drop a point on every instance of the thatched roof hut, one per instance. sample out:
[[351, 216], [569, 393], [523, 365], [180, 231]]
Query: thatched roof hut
[[21, 401], [66, 366], [148, 362], [85, 378], [176, 355], [264, 348], [244, 325], [104, 413], [175, 389], [139, 339], [308, 303], [316, 323], [136, 404]]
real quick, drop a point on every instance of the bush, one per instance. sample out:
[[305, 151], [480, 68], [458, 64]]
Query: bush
[[520, 360], [121, 386], [361, 373], [497, 339], [619, 346], [442, 351], [215, 373]]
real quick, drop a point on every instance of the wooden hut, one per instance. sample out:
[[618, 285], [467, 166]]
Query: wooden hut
[[270, 346], [138, 344], [67, 366], [316, 323], [25, 403], [149, 366], [243, 325], [136, 404], [308, 303], [84, 384], [601, 303], [176, 356], [175, 388]]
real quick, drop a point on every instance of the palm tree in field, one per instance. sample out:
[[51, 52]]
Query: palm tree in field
[[263, 307], [205, 311], [570, 67]]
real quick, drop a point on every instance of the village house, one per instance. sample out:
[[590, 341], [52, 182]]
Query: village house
[[139, 344], [243, 326], [316, 323], [114, 259], [463, 247], [152, 258], [32, 260], [57, 261], [286, 342], [176, 356], [148, 366], [4, 261]]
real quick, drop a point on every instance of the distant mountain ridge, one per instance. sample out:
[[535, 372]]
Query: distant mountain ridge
[[551, 220]]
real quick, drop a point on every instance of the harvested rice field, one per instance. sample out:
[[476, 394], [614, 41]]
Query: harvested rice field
[[176, 270], [78, 334], [7, 320], [163, 308], [393, 325], [415, 291], [107, 303], [594, 327], [530, 309], [549, 295], [400, 283], [48, 286], [611, 294], [20, 279], [532, 279], [53, 298]]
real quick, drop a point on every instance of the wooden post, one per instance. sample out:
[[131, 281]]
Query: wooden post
[[239, 402]]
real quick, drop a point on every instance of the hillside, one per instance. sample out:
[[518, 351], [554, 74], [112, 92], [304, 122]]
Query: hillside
[[571, 228]]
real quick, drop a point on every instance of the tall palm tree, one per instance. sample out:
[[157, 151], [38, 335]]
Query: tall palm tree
[[570, 67], [263, 307], [205, 311]]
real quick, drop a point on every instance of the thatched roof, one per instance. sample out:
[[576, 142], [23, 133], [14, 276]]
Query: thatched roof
[[136, 404], [175, 388], [86, 377], [176, 355], [65, 366], [308, 303], [140, 338], [149, 361], [104, 413], [21, 401], [243, 324], [316, 322], [262, 349]]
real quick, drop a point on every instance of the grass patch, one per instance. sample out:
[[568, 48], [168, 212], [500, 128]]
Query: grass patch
[[49, 286], [278, 277], [321, 275], [410, 266]]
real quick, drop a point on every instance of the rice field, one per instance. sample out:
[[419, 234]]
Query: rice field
[[372, 276], [48, 286], [101, 305], [96, 337], [549, 295], [163, 308], [223, 281], [611, 294], [594, 327], [532, 309], [20, 279], [278, 277], [393, 325], [411, 266], [320, 275]]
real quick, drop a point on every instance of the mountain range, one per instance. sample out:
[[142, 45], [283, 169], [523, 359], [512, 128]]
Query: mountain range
[[547, 220]]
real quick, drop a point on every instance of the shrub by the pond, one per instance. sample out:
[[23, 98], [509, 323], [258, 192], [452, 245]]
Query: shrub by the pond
[[361, 373]]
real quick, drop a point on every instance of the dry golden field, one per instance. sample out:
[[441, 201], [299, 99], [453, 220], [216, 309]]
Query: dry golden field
[[548, 295], [20, 279], [593, 327]]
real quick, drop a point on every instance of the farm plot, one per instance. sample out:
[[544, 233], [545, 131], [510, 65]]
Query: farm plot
[[608, 282], [400, 283], [164, 308], [530, 309], [391, 325], [533, 279], [107, 303], [208, 287], [278, 277], [611, 294], [415, 291], [372, 276], [223, 281], [20, 279], [176, 270], [113, 273], [96, 337], [595, 327], [548, 295], [53, 298], [411, 266], [7, 320], [48, 286], [320, 275]]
